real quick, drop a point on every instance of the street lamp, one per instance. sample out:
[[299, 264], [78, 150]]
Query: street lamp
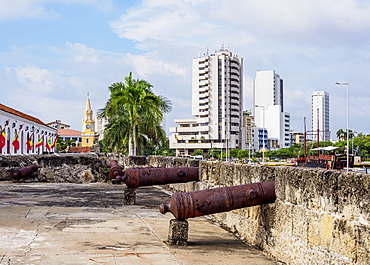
[[346, 84], [263, 135]]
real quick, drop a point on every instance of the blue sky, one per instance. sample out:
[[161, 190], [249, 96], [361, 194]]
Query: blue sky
[[52, 52]]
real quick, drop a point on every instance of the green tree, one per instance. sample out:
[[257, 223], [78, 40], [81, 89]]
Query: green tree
[[134, 113], [242, 154], [233, 152], [341, 134], [197, 152], [214, 152], [62, 145]]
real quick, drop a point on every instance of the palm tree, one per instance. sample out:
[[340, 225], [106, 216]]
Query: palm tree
[[134, 113], [341, 134]]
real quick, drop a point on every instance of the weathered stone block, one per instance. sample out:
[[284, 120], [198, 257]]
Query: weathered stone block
[[178, 232], [320, 229], [363, 247], [129, 196], [344, 238]]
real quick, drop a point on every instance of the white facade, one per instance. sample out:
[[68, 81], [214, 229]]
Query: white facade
[[13, 123], [269, 107], [320, 116], [217, 93]]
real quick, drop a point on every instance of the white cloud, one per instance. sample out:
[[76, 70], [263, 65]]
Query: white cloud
[[14, 9], [178, 22], [145, 67], [34, 78]]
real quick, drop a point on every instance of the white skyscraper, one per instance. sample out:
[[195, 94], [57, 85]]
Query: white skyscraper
[[320, 116], [269, 107], [217, 93]]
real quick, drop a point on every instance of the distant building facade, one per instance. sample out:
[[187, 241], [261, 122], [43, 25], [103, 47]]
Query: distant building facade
[[217, 93], [57, 124], [297, 138], [21, 133], [70, 134], [320, 116], [269, 107]]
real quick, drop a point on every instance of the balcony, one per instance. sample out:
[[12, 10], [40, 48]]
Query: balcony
[[234, 83], [203, 120], [204, 89], [203, 101], [235, 72], [203, 81], [205, 107]]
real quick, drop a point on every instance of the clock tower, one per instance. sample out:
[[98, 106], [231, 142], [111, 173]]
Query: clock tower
[[88, 125]]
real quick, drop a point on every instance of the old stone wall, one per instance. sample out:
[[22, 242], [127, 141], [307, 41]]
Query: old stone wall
[[319, 217], [80, 168]]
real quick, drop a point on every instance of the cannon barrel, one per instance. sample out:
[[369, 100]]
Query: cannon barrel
[[202, 202], [115, 169], [24, 171], [136, 177]]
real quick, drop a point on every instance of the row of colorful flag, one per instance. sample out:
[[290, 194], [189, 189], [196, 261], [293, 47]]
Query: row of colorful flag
[[16, 143]]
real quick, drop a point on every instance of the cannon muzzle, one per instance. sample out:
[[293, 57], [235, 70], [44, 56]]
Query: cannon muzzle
[[202, 202], [136, 177], [115, 170], [24, 171]]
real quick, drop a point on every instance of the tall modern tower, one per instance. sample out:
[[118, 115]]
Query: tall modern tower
[[217, 93], [269, 107], [320, 116]]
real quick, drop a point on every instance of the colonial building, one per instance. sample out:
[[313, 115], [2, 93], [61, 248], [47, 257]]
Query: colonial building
[[21, 133], [70, 134]]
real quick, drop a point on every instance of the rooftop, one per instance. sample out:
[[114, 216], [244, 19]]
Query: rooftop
[[68, 132], [20, 114]]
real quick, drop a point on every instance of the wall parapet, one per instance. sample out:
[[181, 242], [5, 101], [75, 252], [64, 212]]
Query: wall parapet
[[319, 217]]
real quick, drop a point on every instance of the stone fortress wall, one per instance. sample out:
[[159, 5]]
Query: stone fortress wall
[[319, 217]]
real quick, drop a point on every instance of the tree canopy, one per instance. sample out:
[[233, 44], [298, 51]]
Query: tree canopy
[[134, 114]]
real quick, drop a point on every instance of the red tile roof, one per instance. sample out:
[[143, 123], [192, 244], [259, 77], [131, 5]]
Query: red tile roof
[[68, 132], [20, 114]]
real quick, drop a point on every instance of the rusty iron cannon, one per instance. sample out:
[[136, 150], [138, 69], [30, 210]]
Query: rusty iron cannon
[[136, 177], [24, 171], [202, 202], [197, 203], [115, 170]]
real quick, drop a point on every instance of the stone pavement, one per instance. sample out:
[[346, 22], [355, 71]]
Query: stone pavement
[[59, 223]]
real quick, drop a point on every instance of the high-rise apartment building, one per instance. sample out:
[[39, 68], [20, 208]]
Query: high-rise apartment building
[[269, 107], [217, 93], [320, 116]]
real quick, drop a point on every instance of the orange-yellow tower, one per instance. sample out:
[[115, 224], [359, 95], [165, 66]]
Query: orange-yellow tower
[[88, 126]]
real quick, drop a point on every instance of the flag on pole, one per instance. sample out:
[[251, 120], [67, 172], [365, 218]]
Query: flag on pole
[[49, 143], [15, 142], [39, 142], [55, 142], [2, 138], [3, 135], [30, 142]]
